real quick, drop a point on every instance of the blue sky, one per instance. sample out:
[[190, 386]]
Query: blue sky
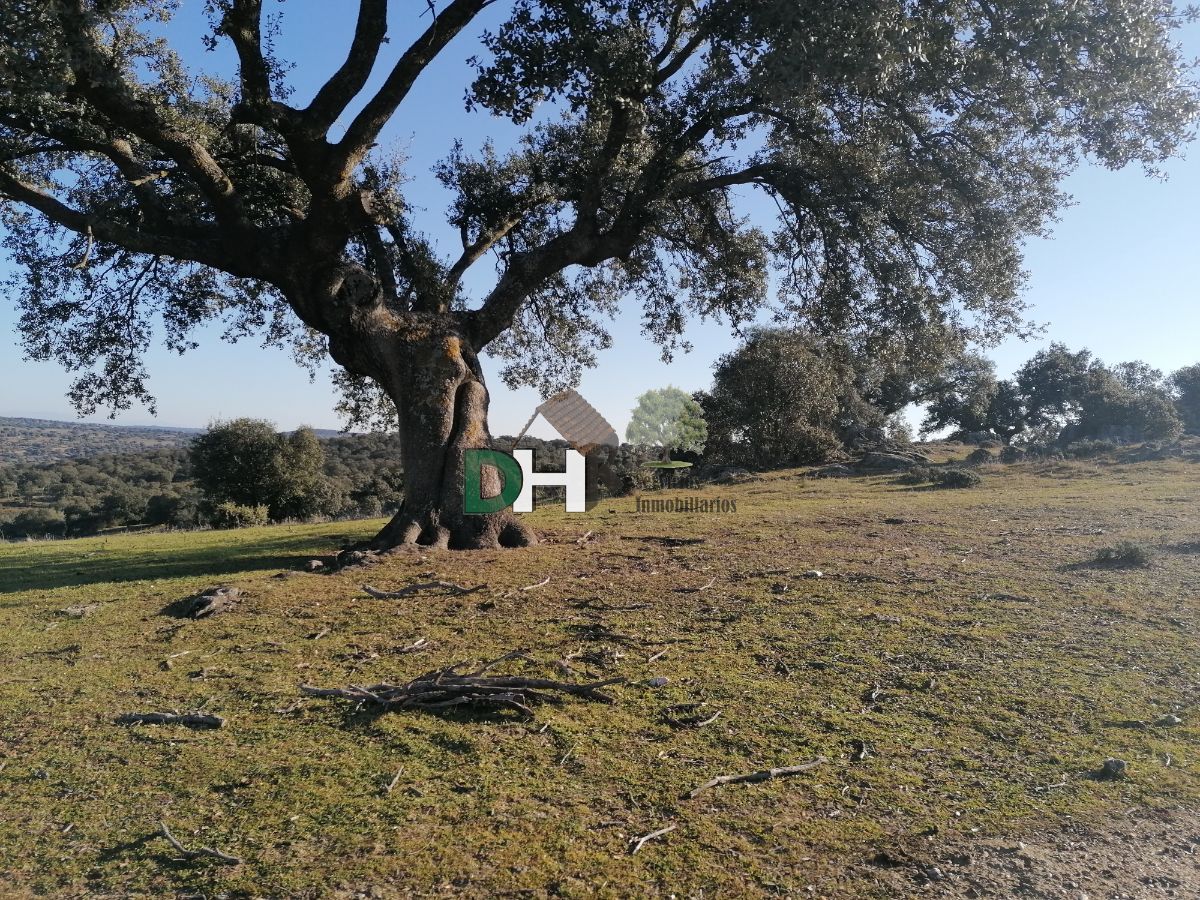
[[1119, 276]]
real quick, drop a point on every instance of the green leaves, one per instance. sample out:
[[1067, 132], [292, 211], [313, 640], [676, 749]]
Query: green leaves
[[905, 152]]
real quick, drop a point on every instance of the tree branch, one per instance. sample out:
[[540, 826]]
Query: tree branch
[[672, 67], [243, 24], [380, 108], [99, 83], [474, 251], [119, 152], [383, 263], [581, 246], [674, 30], [347, 81], [757, 174], [206, 252]]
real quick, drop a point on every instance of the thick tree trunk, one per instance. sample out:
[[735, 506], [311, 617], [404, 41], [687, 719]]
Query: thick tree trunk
[[438, 388], [423, 361]]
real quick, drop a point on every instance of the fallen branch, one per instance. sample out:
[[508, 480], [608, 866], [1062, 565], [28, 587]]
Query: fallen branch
[[391, 786], [765, 775], [638, 843], [529, 587], [203, 605], [586, 537], [456, 589], [446, 688], [695, 720], [191, 720], [199, 851]]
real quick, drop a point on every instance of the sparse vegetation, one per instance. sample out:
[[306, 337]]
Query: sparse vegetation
[[73, 497], [980, 456], [1125, 555], [948, 663], [956, 478], [940, 476], [40, 441]]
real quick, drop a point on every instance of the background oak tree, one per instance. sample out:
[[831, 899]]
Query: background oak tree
[[908, 149]]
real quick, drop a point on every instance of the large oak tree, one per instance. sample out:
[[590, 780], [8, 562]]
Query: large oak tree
[[907, 146]]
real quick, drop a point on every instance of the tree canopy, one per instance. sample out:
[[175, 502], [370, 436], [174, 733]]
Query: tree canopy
[[1185, 387], [1057, 395], [246, 463], [908, 148]]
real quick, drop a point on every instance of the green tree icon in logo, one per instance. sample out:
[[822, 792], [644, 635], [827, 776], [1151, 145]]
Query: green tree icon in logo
[[668, 418]]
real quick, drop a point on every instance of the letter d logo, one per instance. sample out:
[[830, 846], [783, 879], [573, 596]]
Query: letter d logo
[[474, 503]]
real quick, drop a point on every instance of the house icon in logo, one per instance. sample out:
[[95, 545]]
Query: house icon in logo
[[576, 420]]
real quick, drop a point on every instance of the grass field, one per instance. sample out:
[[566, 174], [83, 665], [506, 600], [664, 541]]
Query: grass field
[[960, 666]]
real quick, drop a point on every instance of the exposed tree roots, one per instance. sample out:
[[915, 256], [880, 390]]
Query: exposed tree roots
[[431, 529], [444, 689]]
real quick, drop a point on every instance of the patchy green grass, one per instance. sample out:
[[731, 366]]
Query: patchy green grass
[[952, 633]]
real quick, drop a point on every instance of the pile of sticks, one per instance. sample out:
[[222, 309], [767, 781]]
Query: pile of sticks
[[446, 688]]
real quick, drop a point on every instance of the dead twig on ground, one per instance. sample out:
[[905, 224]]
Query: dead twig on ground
[[696, 719], [191, 720], [586, 537], [449, 586], [696, 590], [764, 775], [446, 688], [529, 587], [638, 843], [391, 786], [199, 851]]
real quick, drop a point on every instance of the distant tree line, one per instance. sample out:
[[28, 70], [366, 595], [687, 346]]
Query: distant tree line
[[24, 440], [784, 397], [790, 397], [296, 476], [1061, 396]]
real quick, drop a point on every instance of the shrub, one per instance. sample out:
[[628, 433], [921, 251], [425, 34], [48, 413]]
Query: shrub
[[943, 478], [1011, 455], [955, 478], [979, 457], [235, 515], [916, 475], [37, 523], [1125, 555], [975, 437], [1088, 449]]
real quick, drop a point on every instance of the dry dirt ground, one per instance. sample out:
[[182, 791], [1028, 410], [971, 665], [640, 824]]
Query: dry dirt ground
[[960, 665]]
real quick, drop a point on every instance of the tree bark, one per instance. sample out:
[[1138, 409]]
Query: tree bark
[[434, 378]]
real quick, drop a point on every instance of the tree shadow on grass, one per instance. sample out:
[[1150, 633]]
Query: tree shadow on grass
[[61, 566]]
